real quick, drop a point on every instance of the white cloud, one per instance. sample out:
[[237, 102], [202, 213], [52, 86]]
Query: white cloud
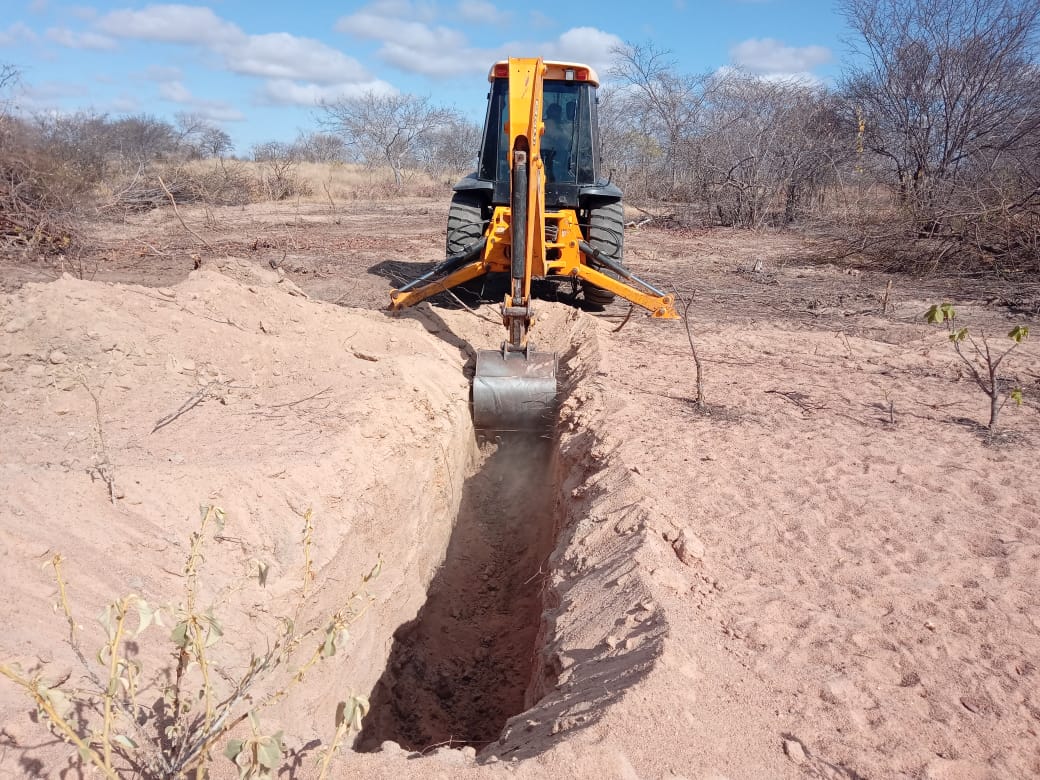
[[411, 34], [163, 73], [85, 12], [280, 56], [175, 91], [54, 90], [217, 110], [540, 20], [416, 45], [481, 12], [80, 40], [286, 92], [285, 56], [170, 24], [770, 56], [125, 104], [587, 45], [17, 33]]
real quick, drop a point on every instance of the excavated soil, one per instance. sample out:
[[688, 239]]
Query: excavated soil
[[831, 572]]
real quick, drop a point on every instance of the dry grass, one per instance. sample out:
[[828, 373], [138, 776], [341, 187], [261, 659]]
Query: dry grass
[[343, 181]]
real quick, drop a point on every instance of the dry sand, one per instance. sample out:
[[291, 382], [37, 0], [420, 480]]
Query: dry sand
[[831, 574]]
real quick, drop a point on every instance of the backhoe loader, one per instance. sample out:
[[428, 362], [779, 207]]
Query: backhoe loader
[[537, 207]]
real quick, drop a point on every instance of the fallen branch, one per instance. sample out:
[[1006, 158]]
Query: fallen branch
[[796, 398], [195, 399], [301, 400], [631, 308], [177, 211]]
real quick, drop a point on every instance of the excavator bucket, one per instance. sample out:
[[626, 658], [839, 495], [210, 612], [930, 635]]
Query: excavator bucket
[[515, 391]]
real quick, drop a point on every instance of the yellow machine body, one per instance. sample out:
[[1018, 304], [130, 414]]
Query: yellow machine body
[[515, 387]]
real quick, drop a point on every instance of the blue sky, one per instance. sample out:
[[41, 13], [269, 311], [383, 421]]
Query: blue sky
[[257, 69]]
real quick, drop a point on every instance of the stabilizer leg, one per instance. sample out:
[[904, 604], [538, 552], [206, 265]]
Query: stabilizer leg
[[402, 299]]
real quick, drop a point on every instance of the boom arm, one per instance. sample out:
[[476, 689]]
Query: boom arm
[[527, 193]]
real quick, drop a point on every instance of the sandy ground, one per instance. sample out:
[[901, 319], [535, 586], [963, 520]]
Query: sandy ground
[[832, 573]]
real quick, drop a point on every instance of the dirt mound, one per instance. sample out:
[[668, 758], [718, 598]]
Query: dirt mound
[[127, 407], [832, 574]]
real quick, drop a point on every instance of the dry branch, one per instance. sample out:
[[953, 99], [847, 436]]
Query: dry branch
[[176, 211]]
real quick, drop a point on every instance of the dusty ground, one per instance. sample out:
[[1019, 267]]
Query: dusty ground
[[831, 574]]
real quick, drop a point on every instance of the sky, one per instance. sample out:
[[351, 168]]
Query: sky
[[258, 69]]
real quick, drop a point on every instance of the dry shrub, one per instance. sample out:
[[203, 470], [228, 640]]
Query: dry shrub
[[349, 181], [279, 179], [38, 199], [219, 183]]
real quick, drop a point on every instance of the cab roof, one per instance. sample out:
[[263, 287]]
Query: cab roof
[[556, 70]]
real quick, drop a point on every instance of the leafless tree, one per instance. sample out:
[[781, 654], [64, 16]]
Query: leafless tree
[[451, 148], [9, 78], [141, 138], [663, 105], [949, 91], [768, 148], [267, 151], [632, 154], [320, 148], [200, 138], [386, 128]]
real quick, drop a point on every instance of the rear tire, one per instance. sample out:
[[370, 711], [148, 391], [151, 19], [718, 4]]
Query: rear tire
[[465, 228], [606, 232], [465, 222]]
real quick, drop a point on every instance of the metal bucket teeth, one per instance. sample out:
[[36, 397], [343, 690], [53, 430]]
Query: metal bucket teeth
[[515, 391]]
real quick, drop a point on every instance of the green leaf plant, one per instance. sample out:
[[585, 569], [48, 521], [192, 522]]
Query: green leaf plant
[[983, 362]]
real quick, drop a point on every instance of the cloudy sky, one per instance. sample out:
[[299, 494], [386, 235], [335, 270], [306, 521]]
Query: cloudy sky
[[259, 68]]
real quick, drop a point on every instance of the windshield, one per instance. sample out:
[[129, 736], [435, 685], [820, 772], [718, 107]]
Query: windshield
[[566, 145]]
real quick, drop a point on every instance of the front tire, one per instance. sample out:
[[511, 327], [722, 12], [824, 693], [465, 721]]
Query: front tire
[[606, 232]]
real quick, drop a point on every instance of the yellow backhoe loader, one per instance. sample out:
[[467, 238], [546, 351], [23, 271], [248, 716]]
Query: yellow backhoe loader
[[537, 207]]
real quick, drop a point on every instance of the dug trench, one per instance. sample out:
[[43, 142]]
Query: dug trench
[[498, 658], [464, 665]]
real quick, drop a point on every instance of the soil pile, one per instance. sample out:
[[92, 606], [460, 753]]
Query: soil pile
[[832, 574]]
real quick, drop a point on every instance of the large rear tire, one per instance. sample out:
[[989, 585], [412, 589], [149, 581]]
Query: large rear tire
[[606, 232], [465, 228], [465, 222]]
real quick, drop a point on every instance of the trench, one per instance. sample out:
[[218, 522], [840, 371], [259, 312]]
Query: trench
[[470, 659]]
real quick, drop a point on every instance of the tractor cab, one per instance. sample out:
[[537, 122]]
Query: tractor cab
[[570, 145]]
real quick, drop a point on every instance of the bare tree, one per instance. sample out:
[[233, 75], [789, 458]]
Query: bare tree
[[942, 80], [390, 128], [267, 151], [663, 105], [320, 148], [948, 90], [768, 148], [633, 156], [9, 78], [141, 138], [451, 148], [200, 137]]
